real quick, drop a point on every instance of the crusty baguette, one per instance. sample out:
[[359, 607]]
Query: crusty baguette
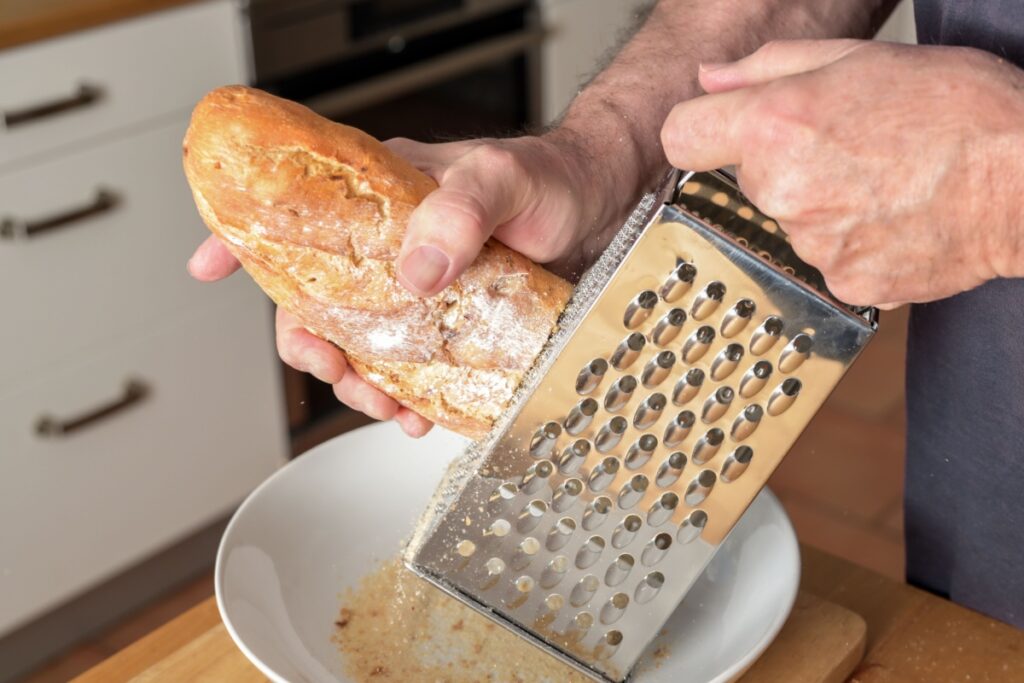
[[316, 211]]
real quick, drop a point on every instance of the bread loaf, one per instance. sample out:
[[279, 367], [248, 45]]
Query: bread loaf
[[316, 211]]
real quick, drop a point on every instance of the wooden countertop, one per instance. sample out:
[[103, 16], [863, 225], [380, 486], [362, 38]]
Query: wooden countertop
[[25, 21], [912, 637]]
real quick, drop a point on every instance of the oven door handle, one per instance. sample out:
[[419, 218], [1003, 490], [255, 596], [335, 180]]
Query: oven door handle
[[338, 103]]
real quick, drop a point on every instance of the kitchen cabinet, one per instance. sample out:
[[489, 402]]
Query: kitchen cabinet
[[136, 405]]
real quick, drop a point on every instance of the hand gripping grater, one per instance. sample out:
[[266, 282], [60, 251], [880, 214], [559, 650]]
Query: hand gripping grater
[[691, 357]]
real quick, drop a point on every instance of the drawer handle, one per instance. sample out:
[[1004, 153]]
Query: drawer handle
[[104, 202], [86, 95], [134, 392]]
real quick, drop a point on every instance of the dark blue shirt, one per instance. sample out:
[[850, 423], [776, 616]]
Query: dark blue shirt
[[965, 394]]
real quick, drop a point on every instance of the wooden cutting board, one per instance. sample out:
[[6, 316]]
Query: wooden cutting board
[[820, 643]]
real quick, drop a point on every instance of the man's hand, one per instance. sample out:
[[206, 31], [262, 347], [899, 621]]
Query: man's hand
[[527, 192], [895, 170]]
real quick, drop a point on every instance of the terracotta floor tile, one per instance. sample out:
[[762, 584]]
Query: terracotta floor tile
[[846, 538], [846, 464], [67, 666], [157, 614]]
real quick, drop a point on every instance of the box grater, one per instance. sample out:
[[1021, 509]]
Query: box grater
[[691, 357]]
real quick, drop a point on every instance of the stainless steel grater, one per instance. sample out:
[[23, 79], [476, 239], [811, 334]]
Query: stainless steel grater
[[688, 362]]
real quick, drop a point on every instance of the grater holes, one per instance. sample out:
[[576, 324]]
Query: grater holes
[[649, 587], [736, 463], [524, 554], [493, 569], [581, 623], [560, 533], [519, 591], [670, 470], [573, 456], [554, 572], [502, 495], [716, 404], [548, 610], [737, 318], [641, 451], [698, 343], [784, 395], [591, 375], [619, 393], [649, 411], [726, 361], [688, 387], [566, 495], [678, 282], [618, 571], [639, 309], [633, 491], [679, 428], [707, 446], [657, 369], [537, 476], [707, 300], [529, 516], [603, 474], [465, 548], [584, 590], [698, 490], [656, 549], [765, 336], [795, 353], [544, 439], [499, 528], [755, 378], [610, 434], [692, 526], [746, 422], [590, 552], [662, 509], [626, 531], [614, 608], [608, 645], [668, 328], [596, 512], [580, 417], [628, 351]]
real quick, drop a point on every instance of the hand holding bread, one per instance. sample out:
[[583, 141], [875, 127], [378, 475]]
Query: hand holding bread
[[316, 212]]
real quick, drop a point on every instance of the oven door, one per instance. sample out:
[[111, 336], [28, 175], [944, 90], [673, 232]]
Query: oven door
[[475, 78]]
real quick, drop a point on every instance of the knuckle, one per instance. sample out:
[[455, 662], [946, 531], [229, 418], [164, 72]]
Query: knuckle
[[495, 159]]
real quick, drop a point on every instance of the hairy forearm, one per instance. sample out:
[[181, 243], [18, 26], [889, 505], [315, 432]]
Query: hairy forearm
[[615, 121]]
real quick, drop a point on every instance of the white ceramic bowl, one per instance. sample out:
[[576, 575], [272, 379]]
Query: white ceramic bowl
[[325, 520]]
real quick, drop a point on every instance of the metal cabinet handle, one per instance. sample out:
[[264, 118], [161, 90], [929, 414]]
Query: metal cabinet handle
[[134, 392], [14, 228], [86, 95]]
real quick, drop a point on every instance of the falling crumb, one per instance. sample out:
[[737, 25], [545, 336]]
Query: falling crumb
[[408, 630]]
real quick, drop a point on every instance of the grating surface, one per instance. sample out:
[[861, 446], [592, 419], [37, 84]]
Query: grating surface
[[657, 423]]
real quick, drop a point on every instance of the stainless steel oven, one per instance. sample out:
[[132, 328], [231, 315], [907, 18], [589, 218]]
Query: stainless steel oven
[[424, 69]]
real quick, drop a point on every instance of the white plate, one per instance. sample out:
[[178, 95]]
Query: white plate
[[324, 521]]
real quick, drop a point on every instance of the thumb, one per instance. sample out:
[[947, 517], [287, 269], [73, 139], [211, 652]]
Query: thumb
[[775, 60], [483, 189]]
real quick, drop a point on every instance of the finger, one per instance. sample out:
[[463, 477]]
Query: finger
[[482, 189], [355, 392], [212, 261], [306, 352], [888, 307], [412, 423], [775, 60], [703, 133]]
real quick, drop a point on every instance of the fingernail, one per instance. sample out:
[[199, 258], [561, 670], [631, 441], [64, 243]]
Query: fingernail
[[425, 267], [712, 66]]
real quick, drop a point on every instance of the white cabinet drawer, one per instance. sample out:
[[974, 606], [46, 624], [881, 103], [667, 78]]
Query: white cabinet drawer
[[97, 277], [135, 69], [76, 508]]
